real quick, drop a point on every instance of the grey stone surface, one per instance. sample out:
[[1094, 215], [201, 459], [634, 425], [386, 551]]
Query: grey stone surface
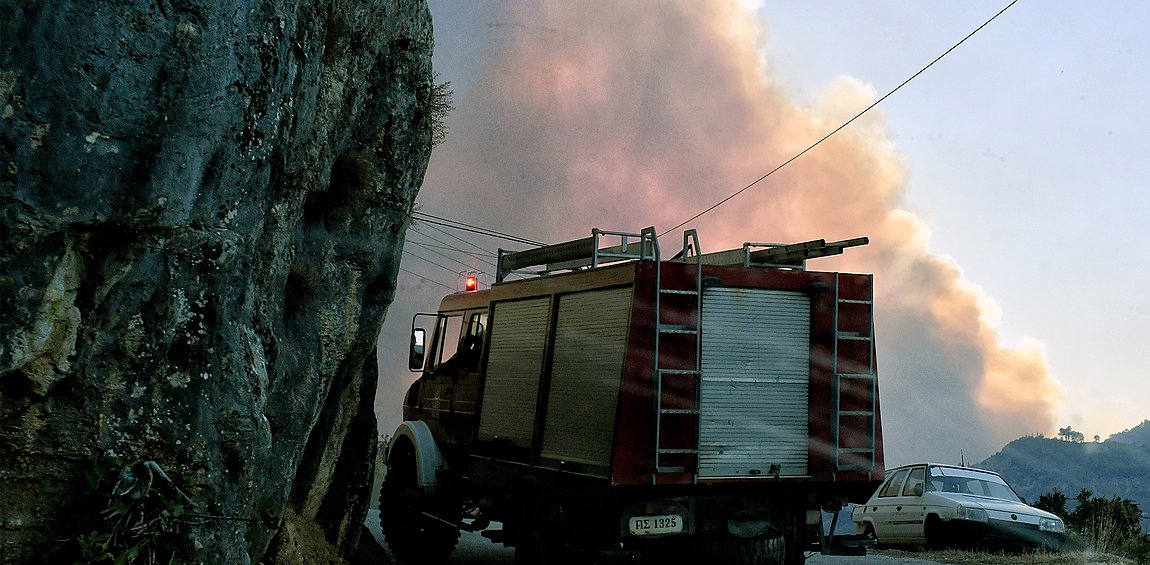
[[202, 205]]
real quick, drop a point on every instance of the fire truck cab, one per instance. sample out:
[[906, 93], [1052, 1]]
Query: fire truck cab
[[618, 404]]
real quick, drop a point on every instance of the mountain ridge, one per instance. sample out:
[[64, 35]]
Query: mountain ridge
[[1138, 435], [1116, 467]]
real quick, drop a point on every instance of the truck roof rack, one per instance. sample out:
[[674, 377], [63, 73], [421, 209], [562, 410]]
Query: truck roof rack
[[780, 255], [579, 253], [644, 246]]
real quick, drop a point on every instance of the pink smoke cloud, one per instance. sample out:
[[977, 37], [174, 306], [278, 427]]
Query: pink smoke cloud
[[647, 112]]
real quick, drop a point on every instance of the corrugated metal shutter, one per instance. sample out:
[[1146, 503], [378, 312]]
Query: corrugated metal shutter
[[514, 365], [756, 369], [590, 342]]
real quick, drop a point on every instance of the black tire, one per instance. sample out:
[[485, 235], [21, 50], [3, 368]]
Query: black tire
[[675, 549], [937, 538], [540, 548], [870, 534], [536, 527], [411, 537], [769, 550], [796, 540]]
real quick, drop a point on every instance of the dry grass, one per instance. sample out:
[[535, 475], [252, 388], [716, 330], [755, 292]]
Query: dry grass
[[960, 557]]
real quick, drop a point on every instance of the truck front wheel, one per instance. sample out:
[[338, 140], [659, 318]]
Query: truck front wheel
[[412, 536]]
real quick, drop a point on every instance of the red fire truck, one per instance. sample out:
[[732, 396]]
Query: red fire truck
[[618, 404]]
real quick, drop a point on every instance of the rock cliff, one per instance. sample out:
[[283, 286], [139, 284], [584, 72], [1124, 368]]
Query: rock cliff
[[202, 207]]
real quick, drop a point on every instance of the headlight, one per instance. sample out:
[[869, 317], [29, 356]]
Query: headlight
[[1052, 525], [972, 514]]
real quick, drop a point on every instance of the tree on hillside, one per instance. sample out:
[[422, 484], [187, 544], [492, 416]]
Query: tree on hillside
[[1070, 434]]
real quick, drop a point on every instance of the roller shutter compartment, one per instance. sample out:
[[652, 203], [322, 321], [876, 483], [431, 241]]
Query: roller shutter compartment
[[755, 379], [590, 346], [514, 365]]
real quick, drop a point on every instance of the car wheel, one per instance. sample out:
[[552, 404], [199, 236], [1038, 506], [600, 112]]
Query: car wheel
[[935, 532], [411, 536], [870, 534]]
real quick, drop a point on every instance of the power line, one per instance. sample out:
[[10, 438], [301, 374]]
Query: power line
[[442, 247], [428, 279], [432, 249], [448, 269], [451, 235], [434, 220], [456, 224], [845, 124], [426, 245], [483, 255]]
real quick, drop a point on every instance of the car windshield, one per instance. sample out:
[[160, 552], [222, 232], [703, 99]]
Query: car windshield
[[970, 481]]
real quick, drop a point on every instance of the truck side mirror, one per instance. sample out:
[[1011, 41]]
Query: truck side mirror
[[415, 355]]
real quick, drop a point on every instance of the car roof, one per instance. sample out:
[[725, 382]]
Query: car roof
[[900, 467]]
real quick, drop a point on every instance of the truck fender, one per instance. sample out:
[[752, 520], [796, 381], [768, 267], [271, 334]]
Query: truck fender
[[429, 459]]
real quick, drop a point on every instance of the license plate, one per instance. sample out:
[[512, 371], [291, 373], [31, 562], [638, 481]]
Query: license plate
[[656, 525]]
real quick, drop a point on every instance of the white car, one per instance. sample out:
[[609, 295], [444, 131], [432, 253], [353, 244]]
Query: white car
[[946, 506]]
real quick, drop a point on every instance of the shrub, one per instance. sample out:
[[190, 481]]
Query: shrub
[[1105, 525]]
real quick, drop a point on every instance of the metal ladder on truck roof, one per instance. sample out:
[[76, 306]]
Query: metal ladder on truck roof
[[579, 254], [862, 376], [663, 374]]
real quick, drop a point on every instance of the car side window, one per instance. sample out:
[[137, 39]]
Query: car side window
[[915, 482], [893, 486]]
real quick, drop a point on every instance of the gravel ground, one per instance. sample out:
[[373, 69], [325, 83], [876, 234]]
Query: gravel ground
[[473, 549], [871, 558]]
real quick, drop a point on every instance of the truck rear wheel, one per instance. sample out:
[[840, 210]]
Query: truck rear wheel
[[411, 536], [540, 547], [536, 526], [795, 534], [735, 551]]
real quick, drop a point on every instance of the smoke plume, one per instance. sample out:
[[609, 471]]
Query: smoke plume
[[644, 113]]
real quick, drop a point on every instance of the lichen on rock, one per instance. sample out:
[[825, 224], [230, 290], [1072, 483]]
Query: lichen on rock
[[41, 353]]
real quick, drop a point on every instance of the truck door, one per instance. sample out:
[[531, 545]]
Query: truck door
[[436, 388], [448, 390], [466, 363]]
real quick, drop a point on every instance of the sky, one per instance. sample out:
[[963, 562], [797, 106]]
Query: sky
[[1001, 188]]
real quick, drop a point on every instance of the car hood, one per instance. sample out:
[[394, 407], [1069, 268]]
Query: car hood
[[997, 504]]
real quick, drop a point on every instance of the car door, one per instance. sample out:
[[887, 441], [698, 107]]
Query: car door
[[909, 510], [882, 507]]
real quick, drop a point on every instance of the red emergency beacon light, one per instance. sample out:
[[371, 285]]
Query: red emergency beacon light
[[470, 283]]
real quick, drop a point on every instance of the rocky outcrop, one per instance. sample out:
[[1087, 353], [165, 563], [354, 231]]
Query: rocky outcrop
[[202, 206]]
